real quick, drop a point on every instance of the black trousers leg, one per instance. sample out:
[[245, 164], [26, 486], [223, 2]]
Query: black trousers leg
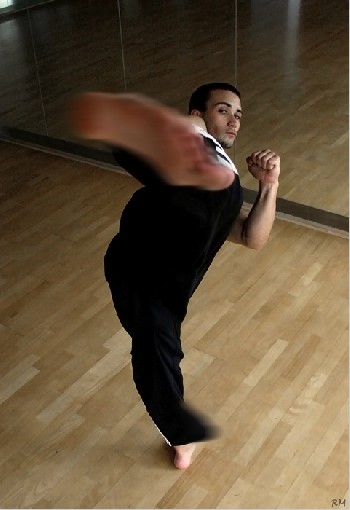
[[156, 356]]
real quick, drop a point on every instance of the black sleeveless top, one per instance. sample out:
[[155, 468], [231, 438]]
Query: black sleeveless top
[[169, 235]]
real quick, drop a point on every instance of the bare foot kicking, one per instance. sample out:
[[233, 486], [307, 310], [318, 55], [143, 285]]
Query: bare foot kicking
[[183, 455], [160, 135]]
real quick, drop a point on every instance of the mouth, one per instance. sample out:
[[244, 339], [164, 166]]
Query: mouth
[[231, 133]]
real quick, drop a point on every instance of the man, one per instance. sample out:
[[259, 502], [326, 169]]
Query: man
[[172, 228]]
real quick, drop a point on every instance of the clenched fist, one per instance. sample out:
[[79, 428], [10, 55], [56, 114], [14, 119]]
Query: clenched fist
[[264, 165]]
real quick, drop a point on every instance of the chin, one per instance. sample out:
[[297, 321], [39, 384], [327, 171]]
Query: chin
[[226, 144]]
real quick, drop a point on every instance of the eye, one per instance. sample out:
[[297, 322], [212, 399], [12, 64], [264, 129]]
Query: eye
[[222, 110], [238, 117]]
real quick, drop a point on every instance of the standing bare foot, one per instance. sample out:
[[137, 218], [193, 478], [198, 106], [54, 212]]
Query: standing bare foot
[[183, 455]]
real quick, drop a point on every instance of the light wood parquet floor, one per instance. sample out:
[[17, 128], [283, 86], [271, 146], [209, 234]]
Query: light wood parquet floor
[[293, 72], [266, 348]]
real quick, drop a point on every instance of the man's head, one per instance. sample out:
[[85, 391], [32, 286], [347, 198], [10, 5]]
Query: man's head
[[219, 105]]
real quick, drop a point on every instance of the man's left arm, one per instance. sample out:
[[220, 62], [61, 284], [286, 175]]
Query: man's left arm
[[253, 230]]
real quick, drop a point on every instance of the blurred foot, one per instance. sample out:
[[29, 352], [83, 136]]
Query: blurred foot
[[158, 134]]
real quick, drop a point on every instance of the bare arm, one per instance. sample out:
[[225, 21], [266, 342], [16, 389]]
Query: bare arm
[[253, 229]]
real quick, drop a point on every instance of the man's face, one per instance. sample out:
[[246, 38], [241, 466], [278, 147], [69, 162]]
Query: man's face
[[223, 116]]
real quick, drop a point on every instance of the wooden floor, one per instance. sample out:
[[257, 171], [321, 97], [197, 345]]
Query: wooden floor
[[293, 75], [288, 57], [266, 347]]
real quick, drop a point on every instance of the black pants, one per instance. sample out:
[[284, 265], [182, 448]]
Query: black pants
[[156, 355]]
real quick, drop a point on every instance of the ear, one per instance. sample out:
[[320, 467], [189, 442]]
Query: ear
[[196, 113]]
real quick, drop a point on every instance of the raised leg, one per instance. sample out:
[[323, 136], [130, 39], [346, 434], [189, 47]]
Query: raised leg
[[158, 134]]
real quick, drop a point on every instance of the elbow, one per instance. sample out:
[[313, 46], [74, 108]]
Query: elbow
[[256, 246], [253, 244]]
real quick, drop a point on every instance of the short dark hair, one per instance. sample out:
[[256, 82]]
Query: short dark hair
[[200, 96]]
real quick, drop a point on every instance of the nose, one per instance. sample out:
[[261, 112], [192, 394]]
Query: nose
[[233, 121]]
